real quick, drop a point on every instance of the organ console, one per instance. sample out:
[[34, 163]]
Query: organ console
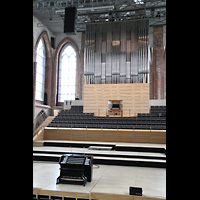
[[115, 108], [75, 169]]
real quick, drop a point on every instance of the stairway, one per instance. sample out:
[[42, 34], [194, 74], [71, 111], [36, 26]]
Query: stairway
[[143, 156]]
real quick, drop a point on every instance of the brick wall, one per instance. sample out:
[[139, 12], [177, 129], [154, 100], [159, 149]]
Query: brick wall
[[158, 65]]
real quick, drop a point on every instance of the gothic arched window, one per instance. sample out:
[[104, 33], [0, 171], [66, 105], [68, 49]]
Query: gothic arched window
[[40, 71], [67, 73]]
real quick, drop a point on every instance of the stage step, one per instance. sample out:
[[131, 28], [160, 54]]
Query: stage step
[[101, 148], [100, 153], [108, 160], [107, 157], [116, 147], [76, 144]]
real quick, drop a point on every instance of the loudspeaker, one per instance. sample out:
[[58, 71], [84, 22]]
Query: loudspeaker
[[53, 42], [135, 191], [70, 21]]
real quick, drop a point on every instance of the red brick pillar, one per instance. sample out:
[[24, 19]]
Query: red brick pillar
[[158, 65], [48, 76], [34, 86]]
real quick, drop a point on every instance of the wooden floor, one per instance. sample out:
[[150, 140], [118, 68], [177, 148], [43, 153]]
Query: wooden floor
[[110, 182]]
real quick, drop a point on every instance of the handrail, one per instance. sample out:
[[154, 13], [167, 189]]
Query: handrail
[[41, 118]]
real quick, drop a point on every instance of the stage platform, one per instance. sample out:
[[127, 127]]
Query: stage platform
[[109, 182], [116, 169]]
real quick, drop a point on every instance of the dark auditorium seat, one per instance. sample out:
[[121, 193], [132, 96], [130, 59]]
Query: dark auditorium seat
[[75, 118]]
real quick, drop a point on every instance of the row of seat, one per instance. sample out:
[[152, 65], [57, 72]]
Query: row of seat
[[109, 126], [153, 114], [78, 119], [70, 121], [108, 119]]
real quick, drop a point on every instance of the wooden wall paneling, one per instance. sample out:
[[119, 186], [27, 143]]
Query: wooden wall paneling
[[64, 134], [50, 134], [106, 135], [125, 135], [135, 98], [79, 135], [142, 136], [158, 137], [109, 135], [93, 135]]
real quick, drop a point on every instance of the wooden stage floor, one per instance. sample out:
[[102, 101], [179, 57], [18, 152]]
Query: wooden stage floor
[[107, 179]]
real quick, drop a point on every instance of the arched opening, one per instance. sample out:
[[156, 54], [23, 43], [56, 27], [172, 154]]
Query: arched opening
[[40, 71], [67, 73], [48, 67]]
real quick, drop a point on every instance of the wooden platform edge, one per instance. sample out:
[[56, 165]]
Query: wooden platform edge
[[104, 135], [108, 196], [91, 195]]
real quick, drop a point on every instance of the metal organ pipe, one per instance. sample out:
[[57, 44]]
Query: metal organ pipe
[[126, 62]]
